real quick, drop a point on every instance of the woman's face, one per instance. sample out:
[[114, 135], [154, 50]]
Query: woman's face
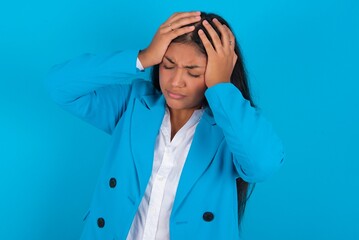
[[181, 76]]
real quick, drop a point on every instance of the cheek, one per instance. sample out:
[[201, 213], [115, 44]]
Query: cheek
[[199, 87]]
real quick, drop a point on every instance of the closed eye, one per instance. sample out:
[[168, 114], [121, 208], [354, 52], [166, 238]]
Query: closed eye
[[167, 67], [194, 75]]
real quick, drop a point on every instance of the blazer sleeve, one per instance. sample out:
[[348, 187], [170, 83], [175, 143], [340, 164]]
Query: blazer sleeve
[[95, 88], [257, 150]]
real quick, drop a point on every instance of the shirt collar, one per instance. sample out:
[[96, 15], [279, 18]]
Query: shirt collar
[[166, 125]]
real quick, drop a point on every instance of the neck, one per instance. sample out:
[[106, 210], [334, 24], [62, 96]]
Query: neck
[[179, 119]]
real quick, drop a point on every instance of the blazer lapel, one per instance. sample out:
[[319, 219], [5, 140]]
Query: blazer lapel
[[146, 120], [203, 148]]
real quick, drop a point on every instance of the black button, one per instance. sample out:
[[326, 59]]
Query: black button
[[112, 182], [208, 216], [100, 222]]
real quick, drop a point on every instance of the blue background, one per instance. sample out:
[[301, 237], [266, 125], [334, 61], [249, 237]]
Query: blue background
[[302, 59]]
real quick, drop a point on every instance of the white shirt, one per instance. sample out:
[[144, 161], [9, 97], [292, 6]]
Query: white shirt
[[151, 221]]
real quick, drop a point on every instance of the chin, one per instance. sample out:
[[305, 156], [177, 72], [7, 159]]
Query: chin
[[176, 105]]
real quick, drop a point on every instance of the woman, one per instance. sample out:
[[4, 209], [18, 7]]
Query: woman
[[185, 146]]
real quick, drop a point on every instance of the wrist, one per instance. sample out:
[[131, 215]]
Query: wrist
[[144, 58], [213, 83]]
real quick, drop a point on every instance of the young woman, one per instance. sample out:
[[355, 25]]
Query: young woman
[[185, 146]]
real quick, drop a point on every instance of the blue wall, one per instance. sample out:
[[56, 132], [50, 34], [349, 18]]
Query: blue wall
[[302, 58]]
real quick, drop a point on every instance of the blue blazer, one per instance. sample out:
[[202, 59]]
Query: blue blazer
[[231, 140]]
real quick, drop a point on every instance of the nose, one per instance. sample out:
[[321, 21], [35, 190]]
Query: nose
[[177, 78]]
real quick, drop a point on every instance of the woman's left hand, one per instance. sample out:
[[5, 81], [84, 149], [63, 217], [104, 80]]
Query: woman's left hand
[[221, 56]]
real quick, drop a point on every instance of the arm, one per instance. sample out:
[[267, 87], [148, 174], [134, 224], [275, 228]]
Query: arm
[[257, 150], [95, 88]]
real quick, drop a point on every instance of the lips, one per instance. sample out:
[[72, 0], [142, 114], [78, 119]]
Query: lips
[[175, 95]]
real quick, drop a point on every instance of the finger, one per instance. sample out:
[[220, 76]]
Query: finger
[[213, 34], [231, 38], [184, 21], [225, 40], [179, 15], [180, 31], [206, 43], [180, 20], [175, 17]]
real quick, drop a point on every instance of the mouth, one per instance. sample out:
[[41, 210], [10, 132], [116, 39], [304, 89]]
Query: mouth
[[175, 95]]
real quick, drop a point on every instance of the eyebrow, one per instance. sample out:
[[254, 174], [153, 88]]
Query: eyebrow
[[188, 67]]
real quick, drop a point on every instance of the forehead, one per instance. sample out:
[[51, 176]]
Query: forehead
[[185, 54]]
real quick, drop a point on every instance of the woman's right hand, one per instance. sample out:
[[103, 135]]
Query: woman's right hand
[[169, 30]]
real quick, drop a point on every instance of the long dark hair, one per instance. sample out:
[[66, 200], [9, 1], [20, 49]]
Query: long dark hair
[[238, 78]]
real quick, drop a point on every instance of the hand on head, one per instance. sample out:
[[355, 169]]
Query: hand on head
[[169, 30], [221, 56]]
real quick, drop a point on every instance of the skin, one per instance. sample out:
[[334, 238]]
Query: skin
[[182, 84]]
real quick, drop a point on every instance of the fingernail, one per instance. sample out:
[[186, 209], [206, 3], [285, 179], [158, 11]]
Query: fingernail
[[205, 22]]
